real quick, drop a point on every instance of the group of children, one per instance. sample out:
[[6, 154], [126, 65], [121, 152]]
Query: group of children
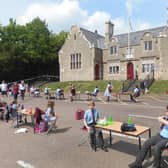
[[13, 111], [9, 111]]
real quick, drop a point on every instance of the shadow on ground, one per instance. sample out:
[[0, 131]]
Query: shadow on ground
[[124, 147], [60, 130]]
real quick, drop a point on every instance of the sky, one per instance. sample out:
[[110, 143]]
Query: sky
[[127, 15]]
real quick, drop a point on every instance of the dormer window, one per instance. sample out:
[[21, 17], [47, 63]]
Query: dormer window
[[113, 50], [148, 45]]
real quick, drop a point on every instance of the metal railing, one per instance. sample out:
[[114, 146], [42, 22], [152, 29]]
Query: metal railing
[[43, 78], [149, 79], [127, 85]]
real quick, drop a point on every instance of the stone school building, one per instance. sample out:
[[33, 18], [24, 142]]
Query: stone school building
[[88, 55]]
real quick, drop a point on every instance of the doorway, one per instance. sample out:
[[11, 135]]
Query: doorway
[[97, 72], [130, 71]]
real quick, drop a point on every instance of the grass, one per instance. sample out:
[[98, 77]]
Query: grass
[[85, 85], [158, 87]]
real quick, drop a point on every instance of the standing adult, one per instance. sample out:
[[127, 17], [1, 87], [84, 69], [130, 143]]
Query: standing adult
[[4, 88], [22, 89], [15, 91], [91, 116], [108, 91]]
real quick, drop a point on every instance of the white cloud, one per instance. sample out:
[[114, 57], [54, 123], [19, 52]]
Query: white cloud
[[119, 25], [97, 21], [61, 15], [58, 15], [122, 26], [140, 25], [131, 5]]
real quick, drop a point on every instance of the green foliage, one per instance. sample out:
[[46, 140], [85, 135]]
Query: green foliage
[[37, 41], [29, 50]]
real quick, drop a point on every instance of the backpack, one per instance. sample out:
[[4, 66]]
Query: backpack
[[128, 127], [42, 127]]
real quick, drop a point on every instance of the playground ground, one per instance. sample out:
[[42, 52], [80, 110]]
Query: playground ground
[[59, 149]]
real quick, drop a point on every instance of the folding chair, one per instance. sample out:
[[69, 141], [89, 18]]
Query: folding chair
[[51, 125], [79, 115]]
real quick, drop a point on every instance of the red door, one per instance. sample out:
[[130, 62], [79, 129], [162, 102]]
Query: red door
[[130, 71], [97, 75]]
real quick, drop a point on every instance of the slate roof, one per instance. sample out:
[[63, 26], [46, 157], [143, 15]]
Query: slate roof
[[95, 39], [135, 37], [98, 41]]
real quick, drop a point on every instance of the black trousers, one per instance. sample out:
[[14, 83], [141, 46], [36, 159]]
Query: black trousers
[[158, 144], [96, 133]]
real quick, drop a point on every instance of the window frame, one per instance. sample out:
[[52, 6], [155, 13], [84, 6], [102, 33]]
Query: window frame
[[75, 61], [148, 45], [114, 69], [113, 50]]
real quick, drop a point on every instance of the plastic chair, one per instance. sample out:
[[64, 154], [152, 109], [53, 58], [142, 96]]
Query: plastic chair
[[79, 115]]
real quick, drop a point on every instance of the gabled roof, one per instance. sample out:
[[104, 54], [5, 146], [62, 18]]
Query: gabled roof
[[95, 39], [98, 41], [135, 37]]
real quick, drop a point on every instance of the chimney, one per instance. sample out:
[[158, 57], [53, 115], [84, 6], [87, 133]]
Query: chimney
[[96, 33], [109, 30]]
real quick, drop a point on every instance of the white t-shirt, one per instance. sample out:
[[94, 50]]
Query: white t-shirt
[[4, 87], [22, 87], [48, 115]]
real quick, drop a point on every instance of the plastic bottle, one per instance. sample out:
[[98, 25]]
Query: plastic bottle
[[130, 121], [110, 119]]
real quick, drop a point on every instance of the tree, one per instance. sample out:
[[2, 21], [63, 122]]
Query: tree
[[29, 50]]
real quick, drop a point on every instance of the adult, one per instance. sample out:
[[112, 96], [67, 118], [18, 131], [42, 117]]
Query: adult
[[108, 91], [22, 89], [158, 141], [4, 88], [15, 91], [91, 116]]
